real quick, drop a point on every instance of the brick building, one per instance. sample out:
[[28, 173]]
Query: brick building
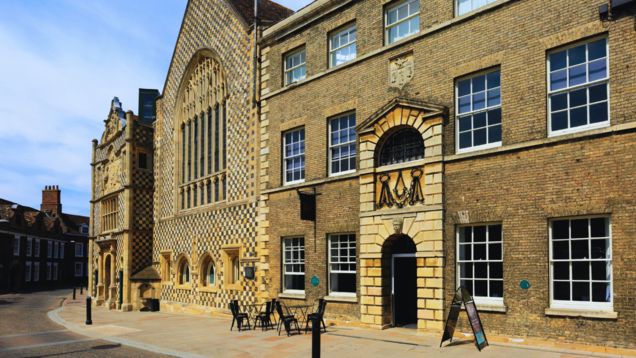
[[44, 248], [453, 142], [121, 206], [196, 245]]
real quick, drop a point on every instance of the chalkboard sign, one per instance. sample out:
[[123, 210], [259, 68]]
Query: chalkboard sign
[[463, 296], [307, 206], [249, 273]]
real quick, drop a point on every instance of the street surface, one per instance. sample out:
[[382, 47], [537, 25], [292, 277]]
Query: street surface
[[27, 331], [51, 324]]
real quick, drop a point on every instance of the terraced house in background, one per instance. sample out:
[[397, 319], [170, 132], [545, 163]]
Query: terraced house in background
[[454, 143]]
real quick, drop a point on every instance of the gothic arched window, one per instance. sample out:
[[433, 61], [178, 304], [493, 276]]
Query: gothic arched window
[[405, 145], [203, 123]]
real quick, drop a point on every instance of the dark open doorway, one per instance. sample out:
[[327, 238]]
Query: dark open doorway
[[404, 283]]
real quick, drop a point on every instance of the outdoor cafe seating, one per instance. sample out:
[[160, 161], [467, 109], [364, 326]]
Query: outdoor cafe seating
[[264, 315]]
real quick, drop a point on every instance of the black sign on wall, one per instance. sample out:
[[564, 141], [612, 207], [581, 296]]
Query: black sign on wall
[[462, 296], [307, 206]]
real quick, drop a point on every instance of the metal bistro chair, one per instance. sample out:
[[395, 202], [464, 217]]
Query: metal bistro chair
[[285, 319], [272, 317], [320, 313], [264, 317], [237, 316]]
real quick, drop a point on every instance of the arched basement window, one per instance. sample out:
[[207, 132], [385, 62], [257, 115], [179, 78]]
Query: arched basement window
[[405, 145]]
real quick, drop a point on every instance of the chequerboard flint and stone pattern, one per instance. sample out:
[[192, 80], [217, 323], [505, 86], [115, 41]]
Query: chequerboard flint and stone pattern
[[210, 28]]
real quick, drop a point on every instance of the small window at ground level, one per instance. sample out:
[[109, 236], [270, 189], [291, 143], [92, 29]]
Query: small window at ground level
[[581, 262], [79, 269], [578, 87], [480, 260], [402, 20], [342, 264], [294, 264], [405, 145]]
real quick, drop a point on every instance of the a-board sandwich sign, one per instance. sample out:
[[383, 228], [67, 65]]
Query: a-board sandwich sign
[[462, 296]]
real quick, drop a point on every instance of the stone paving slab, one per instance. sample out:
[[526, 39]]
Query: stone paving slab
[[191, 336]]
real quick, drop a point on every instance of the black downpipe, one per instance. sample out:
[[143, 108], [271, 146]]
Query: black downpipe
[[254, 102]]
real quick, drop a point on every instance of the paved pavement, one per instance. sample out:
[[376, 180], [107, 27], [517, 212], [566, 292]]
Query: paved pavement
[[27, 331], [197, 336]]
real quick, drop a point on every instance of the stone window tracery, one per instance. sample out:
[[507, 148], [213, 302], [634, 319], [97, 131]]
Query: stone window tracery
[[203, 123]]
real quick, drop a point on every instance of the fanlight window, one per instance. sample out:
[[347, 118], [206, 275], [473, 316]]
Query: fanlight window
[[405, 145]]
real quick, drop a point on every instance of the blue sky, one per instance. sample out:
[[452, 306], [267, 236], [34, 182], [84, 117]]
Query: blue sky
[[62, 62]]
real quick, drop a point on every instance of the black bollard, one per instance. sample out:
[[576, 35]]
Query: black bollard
[[88, 311], [81, 289], [73, 293], [315, 336]]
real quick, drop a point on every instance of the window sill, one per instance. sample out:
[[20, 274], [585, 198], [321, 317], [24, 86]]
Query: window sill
[[491, 307], [293, 296], [336, 298], [183, 287], [575, 312], [208, 289], [234, 286], [167, 283], [579, 129], [478, 148]]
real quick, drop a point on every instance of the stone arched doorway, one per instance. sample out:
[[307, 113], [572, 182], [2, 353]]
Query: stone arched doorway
[[403, 282]]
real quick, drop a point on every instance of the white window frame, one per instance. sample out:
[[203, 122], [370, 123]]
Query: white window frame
[[354, 262], [387, 27], [55, 266], [474, 148], [587, 84], [81, 269], [289, 70], [81, 249], [56, 250], [29, 248], [495, 301], [49, 252], [36, 271], [27, 275], [37, 247], [62, 250], [332, 50], [286, 158], [583, 305], [293, 262], [348, 143], [16, 248], [471, 6], [48, 271]]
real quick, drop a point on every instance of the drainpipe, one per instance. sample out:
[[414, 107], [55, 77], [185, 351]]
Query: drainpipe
[[254, 102]]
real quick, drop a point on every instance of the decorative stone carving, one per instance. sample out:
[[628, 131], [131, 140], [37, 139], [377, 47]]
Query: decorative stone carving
[[111, 173], [115, 122], [401, 70], [397, 225]]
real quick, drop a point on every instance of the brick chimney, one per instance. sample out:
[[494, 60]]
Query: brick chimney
[[51, 199]]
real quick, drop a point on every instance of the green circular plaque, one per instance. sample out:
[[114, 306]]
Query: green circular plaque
[[525, 284], [314, 281]]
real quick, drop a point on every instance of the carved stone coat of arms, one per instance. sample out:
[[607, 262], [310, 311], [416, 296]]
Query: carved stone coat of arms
[[401, 70]]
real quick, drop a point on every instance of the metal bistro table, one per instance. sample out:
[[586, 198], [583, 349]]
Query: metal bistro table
[[302, 309], [252, 310]]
